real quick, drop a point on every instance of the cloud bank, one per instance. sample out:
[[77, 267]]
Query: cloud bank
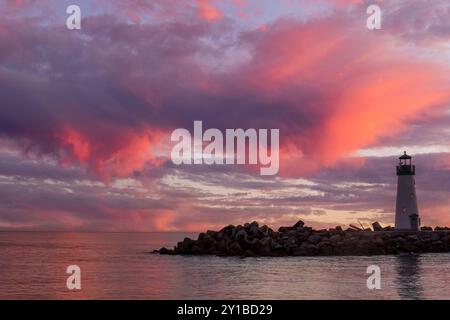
[[99, 105]]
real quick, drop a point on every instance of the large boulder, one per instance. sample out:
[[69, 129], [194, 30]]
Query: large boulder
[[254, 223], [325, 248], [241, 236], [260, 247], [336, 231], [221, 236], [248, 253], [377, 226], [314, 239], [378, 241], [212, 234], [164, 250], [253, 231], [265, 231], [435, 237], [236, 230], [201, 235], [206, 243], [197, 250], [235, 249], [187, 245], [335, 238], [306, 249], [437, 245], [221, 246], [227, 230], [249, 225], [286, 229], [302, 236], [299, 224]]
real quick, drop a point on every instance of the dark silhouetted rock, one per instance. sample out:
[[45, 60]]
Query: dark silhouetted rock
[[228, 230], [335, 238], [241, 236], [435, 237], [299, 224], [248, 253], [377, 226], [314, 239], [164, 251], [206, 243], [356, 228], [325, 248], [236, 249], [197, 250], [299, 240], [306, 249], [286, 229], [221, 246], [187, 245], [412, 237], [212, 234]]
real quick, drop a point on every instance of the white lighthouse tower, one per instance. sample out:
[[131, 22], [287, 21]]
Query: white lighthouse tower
[[406, 211]]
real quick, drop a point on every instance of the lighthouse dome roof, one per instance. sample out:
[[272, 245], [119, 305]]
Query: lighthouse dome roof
[[405, 156]]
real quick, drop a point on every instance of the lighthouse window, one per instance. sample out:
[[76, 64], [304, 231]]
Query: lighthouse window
[[404, 209], [412, 195]]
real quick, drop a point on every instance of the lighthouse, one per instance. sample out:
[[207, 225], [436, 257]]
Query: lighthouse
[[406, 210]]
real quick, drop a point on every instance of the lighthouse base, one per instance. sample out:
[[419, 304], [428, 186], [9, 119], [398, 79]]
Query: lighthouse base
[[406, 211]]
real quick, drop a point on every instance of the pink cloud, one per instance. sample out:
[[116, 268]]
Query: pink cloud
[[208, 11], [129, 152], [366, 87]]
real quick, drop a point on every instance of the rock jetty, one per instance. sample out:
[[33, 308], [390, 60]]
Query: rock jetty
[[251, 240]]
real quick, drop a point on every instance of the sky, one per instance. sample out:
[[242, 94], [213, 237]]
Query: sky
[[86, 115]]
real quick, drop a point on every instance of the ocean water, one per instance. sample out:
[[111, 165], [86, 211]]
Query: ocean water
[[120, 266]]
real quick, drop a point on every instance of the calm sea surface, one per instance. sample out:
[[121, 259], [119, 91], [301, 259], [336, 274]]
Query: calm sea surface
[[119, 266]]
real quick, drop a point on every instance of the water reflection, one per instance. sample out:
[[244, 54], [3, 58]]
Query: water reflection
[[409, 273]]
